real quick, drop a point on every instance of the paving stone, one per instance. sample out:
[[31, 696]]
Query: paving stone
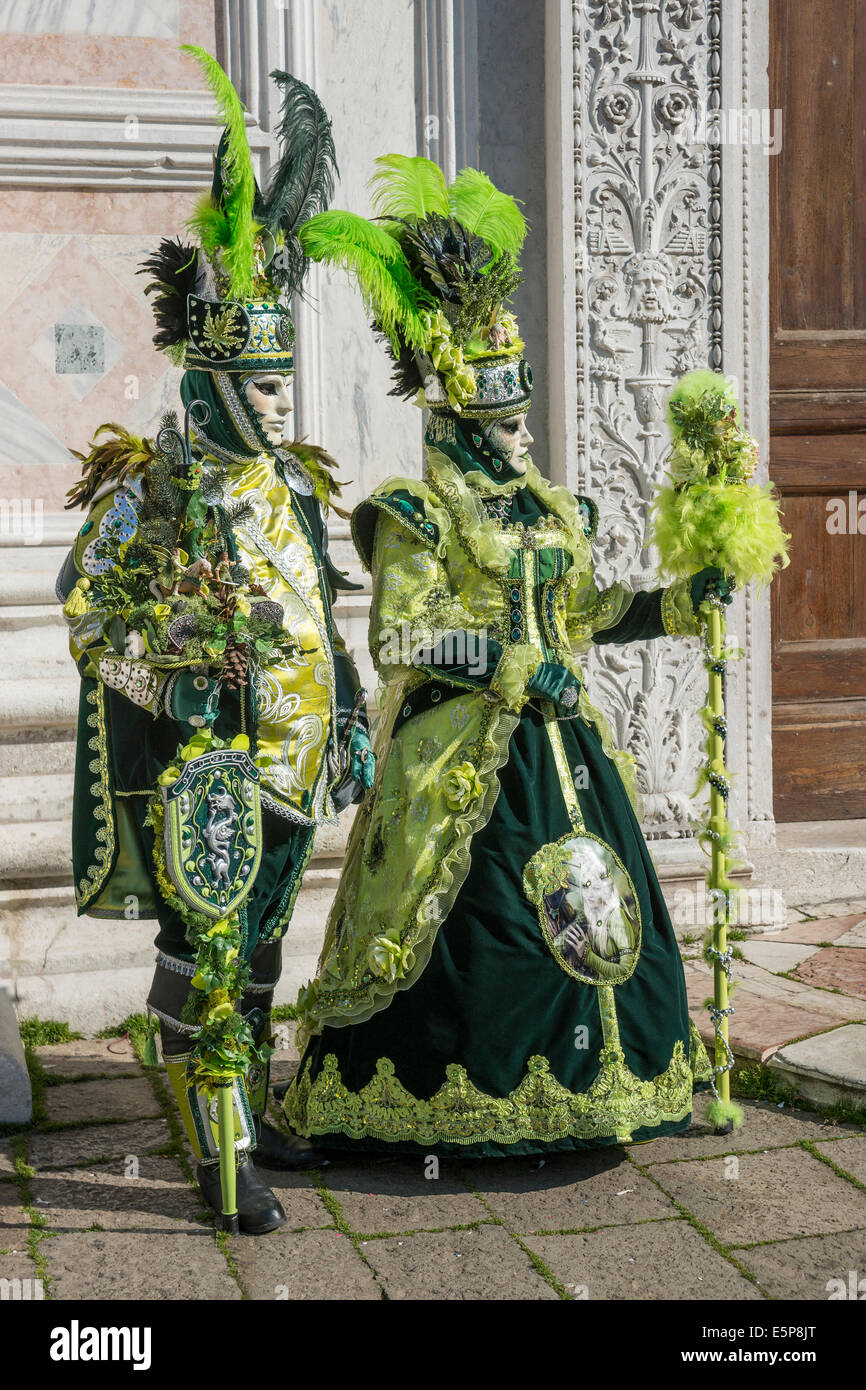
[[7, 1159], [803, 1269], [837, 967], [14, 1221], [776, 956], [90, 1057], [758, 1025], [120, 1265], [786, 1192], [855, 937], [659, 1259], [160, 1198], [101, 1100], [19, 1280], [300, 1200], [760, 984], [16, 1097], [813, 933], [836, 909], [597, 1187], [826, 1068], [64, 1147], [764, 1127], [396, 1196], [481, 1264], [849, 1154], [302, 1265]]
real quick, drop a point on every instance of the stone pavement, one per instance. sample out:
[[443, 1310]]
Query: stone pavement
[[800, 1000], [97, 1201]]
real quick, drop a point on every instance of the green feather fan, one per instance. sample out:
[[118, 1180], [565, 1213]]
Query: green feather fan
[[377, 264], [485, 212], [227, 222], [709, 513], [408, 187]]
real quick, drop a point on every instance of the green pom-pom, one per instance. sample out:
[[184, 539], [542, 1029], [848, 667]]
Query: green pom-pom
[[692, 386], [721, 1113]]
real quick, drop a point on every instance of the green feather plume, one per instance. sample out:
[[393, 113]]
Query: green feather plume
[[302, 183], [485, 212], [708, 513], [227, 220], [734, 526], [374, 260], [409, 187]]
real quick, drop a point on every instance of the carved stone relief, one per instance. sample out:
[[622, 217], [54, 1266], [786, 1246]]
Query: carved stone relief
[[648, 294]]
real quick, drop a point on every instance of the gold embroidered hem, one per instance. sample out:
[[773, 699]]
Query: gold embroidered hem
[[539, 1108]]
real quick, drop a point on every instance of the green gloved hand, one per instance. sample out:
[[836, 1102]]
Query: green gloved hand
[[362, 763], [553, 682], [193, 698], [711, 582]]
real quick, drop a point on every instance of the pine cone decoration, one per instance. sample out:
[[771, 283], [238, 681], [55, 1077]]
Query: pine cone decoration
[[234, 671]]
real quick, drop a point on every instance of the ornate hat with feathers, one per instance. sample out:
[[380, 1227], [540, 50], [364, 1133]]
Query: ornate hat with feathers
[[436, 268], [219, 300]]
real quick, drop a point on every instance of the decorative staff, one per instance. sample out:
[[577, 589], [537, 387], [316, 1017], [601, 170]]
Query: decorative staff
[[710, 513]]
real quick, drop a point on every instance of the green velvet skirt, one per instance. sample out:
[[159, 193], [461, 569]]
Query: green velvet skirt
[[506, 1044]]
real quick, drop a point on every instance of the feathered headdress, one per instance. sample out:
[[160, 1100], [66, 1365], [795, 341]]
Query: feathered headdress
[[218, 299], [435, 270]]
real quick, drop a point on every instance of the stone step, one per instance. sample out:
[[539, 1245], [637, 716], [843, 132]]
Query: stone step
[[31, 613], [39, 797], [827, 1068], [36, 759], [28, 586], [32, 703], [36, 849], [92, 973], [47, 557]]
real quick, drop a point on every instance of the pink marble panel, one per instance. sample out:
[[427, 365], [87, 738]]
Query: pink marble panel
[[151, 212]]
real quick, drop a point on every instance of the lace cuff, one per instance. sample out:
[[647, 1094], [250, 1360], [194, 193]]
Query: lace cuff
[[678, 615]]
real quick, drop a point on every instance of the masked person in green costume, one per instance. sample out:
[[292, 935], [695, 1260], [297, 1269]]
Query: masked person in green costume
[[499, 974], [199, 597]]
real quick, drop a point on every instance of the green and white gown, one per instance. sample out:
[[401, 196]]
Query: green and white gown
[[500, 973]]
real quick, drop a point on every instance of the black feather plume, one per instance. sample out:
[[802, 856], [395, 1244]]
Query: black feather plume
[[173, 271], [303, 181]]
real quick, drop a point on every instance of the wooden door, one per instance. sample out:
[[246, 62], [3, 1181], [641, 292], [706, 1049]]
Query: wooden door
[[818, 406]]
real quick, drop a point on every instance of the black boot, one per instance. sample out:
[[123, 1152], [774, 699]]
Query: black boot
[[258, 1208], [282, 1150], [274, 1148]]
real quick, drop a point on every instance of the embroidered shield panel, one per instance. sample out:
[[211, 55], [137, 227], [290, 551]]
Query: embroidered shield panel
[[587, 908]]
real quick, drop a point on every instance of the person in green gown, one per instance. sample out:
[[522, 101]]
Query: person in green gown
[[500, 973]]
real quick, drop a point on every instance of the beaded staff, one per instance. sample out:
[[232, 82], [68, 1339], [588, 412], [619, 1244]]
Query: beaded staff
[[709, 512]]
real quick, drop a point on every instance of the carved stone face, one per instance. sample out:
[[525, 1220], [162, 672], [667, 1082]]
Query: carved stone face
[[270, 395], [649, 293], [511, 439]]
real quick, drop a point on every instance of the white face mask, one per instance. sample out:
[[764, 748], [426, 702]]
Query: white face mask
[[511, 439], [270, 395]]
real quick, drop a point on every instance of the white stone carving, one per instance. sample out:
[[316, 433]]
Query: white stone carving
[[647, 308]]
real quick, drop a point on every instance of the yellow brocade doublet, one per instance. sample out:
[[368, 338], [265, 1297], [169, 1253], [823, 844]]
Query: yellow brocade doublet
[[294, 696]]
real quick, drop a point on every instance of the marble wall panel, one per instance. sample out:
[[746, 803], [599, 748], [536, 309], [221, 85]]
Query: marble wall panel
[[106, 43]]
